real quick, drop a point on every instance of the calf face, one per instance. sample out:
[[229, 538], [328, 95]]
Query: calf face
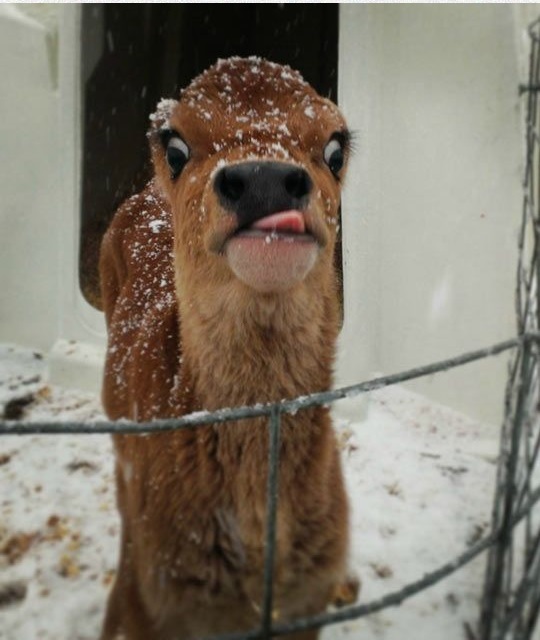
[[251, 160]]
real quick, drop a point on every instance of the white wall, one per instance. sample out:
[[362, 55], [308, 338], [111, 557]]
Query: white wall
[[434, 200], [29, 183], [41, 304]]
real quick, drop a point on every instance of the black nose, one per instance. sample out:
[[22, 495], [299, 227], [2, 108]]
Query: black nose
[[253, 190]]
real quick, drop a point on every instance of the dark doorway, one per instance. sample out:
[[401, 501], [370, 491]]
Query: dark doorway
[[135, 54]]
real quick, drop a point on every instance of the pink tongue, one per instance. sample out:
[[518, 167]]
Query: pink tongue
[[292, 221]]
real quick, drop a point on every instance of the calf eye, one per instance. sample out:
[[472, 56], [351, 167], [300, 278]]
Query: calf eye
[[177, 153], [334, 155]]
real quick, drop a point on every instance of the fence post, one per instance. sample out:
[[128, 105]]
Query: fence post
[[274, 426]]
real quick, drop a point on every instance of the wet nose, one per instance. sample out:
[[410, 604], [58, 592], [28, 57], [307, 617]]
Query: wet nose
[[254, 190]]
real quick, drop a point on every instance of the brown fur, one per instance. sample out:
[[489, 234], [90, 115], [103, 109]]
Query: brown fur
[[184, 335]]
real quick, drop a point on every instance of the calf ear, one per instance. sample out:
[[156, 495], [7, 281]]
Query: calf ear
[[161, 116], [160, 122]]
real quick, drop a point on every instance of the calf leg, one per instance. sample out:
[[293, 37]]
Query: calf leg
[[125, 617]]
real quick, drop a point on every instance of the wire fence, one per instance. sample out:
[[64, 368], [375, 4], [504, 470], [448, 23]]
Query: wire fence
[[511, 598], [201, 418], [274, 411], [511, 595]]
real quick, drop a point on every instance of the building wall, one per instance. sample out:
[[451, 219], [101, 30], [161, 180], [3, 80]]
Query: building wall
[[433, 203], [29, 183]]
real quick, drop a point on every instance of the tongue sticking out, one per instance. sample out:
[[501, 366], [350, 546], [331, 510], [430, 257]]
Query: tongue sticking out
[[285, 221]]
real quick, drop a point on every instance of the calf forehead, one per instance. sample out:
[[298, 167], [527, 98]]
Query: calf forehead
[[243, 80], [253, 97]]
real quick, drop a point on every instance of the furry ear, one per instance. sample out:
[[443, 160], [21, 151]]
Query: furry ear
[[159, 123], [161, 116]]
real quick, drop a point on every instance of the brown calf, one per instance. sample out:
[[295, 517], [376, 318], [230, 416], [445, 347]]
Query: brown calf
[[219, 290]]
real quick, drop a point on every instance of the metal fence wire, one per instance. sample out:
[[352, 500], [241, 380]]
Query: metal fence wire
[[511, 594], [511, 599]]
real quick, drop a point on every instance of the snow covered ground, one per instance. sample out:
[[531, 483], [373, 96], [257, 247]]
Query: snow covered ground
[[420, 479]]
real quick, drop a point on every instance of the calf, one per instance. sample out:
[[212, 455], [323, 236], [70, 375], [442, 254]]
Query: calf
[[219, 290]]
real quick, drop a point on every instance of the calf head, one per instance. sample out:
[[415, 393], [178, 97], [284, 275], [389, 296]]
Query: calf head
[[251, 160]]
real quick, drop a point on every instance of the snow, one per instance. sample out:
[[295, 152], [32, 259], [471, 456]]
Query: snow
[[420, 479], [309, 112], [163, 112], [155, 225]]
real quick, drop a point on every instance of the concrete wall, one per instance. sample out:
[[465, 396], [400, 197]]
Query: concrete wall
[[433, 202], [41, 305], [29, 183]]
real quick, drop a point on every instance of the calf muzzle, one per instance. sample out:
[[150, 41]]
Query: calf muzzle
[[254, 190]]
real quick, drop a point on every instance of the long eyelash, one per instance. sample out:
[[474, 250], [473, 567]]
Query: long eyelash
[[350, 141], [347, 139]]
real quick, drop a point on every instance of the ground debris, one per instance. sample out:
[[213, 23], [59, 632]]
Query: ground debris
[[5, 458], [394, 489], [12, 592], [14, 547], [68, 566], [382, 571], [15, 408], [81, 465]]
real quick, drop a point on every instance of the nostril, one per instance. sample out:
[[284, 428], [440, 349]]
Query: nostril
[[230, 184], [252, 190], [297, 183]]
